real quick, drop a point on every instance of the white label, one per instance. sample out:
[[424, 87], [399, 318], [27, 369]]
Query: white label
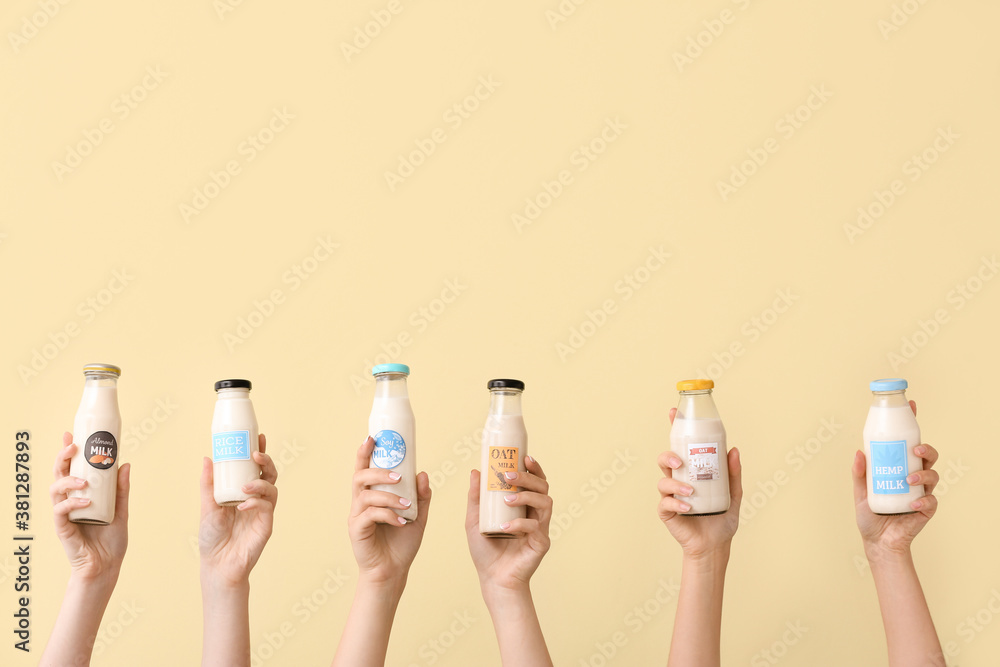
[[703, 461]]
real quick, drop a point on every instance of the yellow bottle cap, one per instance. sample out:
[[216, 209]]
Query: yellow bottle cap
[[694, 385]]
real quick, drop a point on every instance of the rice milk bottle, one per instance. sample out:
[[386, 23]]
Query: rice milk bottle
[[890, 434], [234, 440], [96, 432], [698, 438], [393, 428], [505, 444]]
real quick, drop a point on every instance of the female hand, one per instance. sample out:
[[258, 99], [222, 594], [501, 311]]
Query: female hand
[[231, 539], [702, 534], [93, 551], [509, 563]]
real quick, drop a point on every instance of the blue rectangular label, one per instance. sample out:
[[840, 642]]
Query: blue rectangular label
[[889, 467], [231, 446]]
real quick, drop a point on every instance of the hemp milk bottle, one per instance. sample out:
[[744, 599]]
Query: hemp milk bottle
[[890, 434], [96, 431], [234, 440], [699, 440], [393, 428], [505, 444]]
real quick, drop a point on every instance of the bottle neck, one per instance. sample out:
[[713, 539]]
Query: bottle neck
[[233, 392], [505, 402], [391, 385], [889, 399], [696, 405]]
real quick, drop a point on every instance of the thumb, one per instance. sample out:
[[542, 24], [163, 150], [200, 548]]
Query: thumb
[[735, 476], [859, 471], [423, 498], [207, 485], [124, 485], [472, 508]]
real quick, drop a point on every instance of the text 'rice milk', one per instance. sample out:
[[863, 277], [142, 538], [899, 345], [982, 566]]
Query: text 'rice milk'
[[96, 431], [234, 440], [698, 438], [890, 434], [505, 444], [393, 428]]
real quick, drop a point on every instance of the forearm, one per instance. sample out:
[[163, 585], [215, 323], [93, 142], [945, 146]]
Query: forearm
[[698, 621], [72, 639], [226, 610], [365, 640], [518, 631], [909, 629]]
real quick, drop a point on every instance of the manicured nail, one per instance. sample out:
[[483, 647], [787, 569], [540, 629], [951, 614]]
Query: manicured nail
[[921, 450], [242, 506], [401, 520], [505, 526], [529, 459], [79, 483], [916, 504], [404, 502], [83, 501], [394, 476], [674, 463], [685, 507], [912, 479], [510, 475], [511, 498], [687, 490]]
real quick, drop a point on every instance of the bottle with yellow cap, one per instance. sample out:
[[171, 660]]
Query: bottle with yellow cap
[[698, 438], [96, 431]]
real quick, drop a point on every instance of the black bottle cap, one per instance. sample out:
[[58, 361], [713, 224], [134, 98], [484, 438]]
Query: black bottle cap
[[232, 384], [505, 384]]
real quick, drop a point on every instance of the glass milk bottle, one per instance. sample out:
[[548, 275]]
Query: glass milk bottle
[[698, 438], [890, 434], [505, 444], [96, 431], [234, 440], [393, 427]]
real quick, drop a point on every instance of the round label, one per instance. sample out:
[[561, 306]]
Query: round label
[[101, 450], [390, 449]]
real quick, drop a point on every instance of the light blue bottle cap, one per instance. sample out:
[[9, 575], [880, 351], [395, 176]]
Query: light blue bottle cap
[[889, 384], [391, 368]]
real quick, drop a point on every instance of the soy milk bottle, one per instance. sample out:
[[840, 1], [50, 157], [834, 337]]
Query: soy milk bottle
[[234, 440], [96, 432], [890, 434], [393, 428], [698, 438], [505, 444]]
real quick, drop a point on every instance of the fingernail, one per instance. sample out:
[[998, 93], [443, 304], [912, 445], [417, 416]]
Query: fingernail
[[394, 475], [242, 505], [80, 482], [401, 520], [916, 504], [511, 498], [920, 450], [685, 507], [529, 459], [505, 526], [675, 463], [688, 490], [404, 502], [510, 475], [83, 501], [912, 479]]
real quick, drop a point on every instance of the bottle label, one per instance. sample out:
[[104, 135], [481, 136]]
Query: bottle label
[[502, 460], [889, 467], [231, 446], [101, 450], [703, 461], [390, 449]]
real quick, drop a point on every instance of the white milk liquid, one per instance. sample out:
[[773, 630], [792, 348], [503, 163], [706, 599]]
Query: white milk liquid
[[396, 453], [98, 413], [701, 446], [505, 444], [897, 431], [234, 439]]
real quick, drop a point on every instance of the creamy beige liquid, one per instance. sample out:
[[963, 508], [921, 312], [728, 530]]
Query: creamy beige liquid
[[96, 432], [701, 446], [505, 444], [393, 426], [234, 439], [895, 432]]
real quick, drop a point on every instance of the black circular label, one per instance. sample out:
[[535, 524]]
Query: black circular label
[[101, 450]]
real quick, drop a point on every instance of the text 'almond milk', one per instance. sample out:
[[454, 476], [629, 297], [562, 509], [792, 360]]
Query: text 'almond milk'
[[96, 431], [698, 438], [505, 444]]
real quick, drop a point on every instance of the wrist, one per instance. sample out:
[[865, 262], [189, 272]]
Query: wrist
[[96, 585], [218, 582], [384, 586], [879, 553], [708, 559], [504, 593]]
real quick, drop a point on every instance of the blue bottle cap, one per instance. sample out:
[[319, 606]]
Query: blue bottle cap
[[889, 384], [391, 368]]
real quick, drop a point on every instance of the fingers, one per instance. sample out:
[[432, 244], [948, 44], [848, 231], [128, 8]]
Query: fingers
[[124, 486], [207, 485], [735, 477], [261, 489], [927, 505], [673, 413], [532, 466], [859, 473], [59, 488], [668, 462], [913, 406], [423, 498], [472, 504], [371, 498], [374, 515], [527, 481], [65, 507], [371, 476], [539, 502], [364, 454], [670, 506], [61, 466], [928, 478], [261, 443], [668, 486], [522, 526], [268, 472], [927, 453]]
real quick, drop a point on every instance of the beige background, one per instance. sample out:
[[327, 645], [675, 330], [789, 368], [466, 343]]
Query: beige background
[[888, 93]]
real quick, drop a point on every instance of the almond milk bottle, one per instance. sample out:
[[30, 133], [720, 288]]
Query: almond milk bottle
[[699, 440], [393, 427], [890, 434], [234, 440], [505, 444], [96, 431]]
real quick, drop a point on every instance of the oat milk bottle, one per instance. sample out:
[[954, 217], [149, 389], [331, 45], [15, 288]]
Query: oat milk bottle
[[392, 426], [96, 431], [890, 434], [505, 444], [699, 440], [234, 440]]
